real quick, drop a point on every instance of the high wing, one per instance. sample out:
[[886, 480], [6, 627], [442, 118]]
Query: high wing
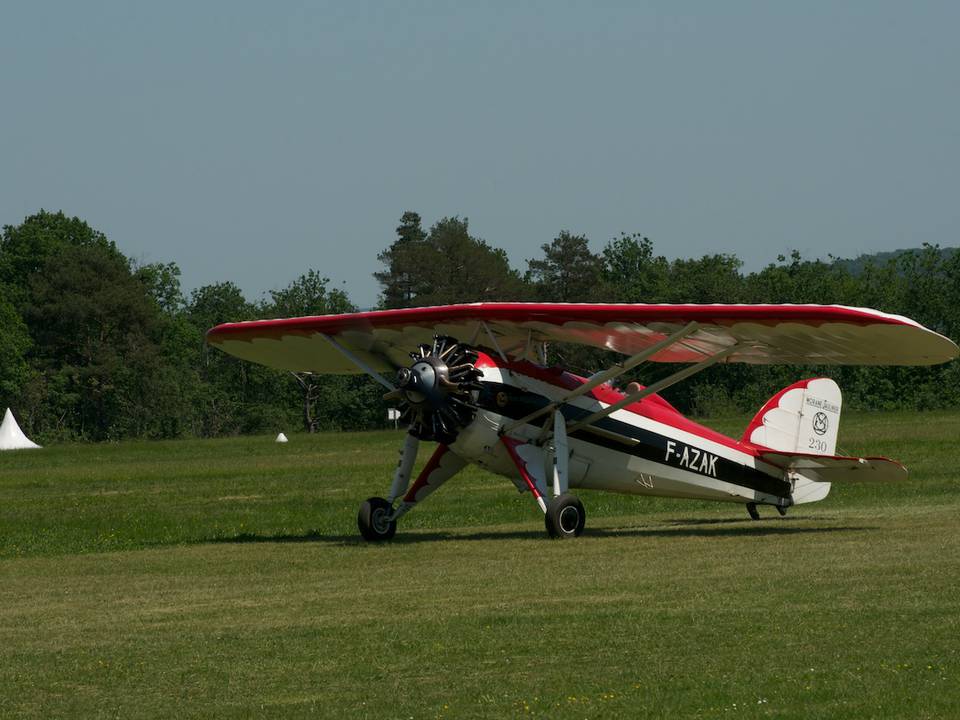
[[757, 334]]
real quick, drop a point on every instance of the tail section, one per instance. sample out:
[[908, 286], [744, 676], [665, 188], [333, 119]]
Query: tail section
[[797, 431], [801, 418]]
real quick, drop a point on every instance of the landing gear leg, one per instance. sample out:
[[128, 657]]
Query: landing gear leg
[[376, 526], [564, 515], [752, 511]]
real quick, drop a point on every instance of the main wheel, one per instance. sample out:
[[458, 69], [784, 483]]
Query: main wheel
[[565, 516], [374, 520]]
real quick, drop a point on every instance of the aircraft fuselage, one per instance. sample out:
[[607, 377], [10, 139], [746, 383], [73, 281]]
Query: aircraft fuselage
[[647, 448]]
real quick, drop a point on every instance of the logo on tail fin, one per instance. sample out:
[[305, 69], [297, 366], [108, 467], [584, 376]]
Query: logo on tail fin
[[820, 423]]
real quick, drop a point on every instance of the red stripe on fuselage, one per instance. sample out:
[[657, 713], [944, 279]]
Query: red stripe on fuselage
[[652, 407]]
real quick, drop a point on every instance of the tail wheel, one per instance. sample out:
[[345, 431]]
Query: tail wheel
[[565, 516], [374, 520]]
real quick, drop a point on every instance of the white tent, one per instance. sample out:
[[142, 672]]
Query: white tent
[[11, 436]]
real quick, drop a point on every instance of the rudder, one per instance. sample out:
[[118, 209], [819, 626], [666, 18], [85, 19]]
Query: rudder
[[801, 418]]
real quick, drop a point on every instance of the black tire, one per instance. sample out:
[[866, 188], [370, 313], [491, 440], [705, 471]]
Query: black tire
[[372, 520], [565, 517]]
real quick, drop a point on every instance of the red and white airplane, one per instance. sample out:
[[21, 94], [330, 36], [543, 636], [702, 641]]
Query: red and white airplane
[[468, 377]]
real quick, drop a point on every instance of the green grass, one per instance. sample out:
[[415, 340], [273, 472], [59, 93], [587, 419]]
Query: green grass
[[225, 579]]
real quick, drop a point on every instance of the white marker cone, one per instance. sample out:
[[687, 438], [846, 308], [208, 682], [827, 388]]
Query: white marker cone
[[282, 438], [11, 436]]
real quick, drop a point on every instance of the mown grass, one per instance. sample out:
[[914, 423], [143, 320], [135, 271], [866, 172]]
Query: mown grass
[[225, 579]]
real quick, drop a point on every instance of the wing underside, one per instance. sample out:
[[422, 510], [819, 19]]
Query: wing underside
[[758, 334]]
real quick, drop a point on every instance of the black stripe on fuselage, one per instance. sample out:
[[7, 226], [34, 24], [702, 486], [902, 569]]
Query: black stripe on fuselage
[[514, 403]]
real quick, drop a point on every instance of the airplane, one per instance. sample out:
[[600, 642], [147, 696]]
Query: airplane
[[474, 379]]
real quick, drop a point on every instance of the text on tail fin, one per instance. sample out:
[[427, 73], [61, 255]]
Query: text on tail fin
[[804, 418]]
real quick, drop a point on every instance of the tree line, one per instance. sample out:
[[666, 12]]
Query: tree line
[[96, 346]]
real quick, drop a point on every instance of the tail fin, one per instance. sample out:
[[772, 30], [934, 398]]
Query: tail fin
[[801, 418]]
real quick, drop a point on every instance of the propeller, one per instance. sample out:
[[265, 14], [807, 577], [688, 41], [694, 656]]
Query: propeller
[[435, 392]]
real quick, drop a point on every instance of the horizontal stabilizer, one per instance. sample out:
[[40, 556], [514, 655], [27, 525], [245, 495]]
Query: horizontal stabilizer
[[835, 468]]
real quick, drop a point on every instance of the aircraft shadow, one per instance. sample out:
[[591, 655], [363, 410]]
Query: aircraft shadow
[[677, 528]]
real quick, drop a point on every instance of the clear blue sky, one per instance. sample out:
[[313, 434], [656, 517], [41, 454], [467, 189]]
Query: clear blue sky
[[251, 141]]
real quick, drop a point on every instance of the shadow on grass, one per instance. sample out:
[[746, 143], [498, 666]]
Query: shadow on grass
[[678, 529], [734, 520]]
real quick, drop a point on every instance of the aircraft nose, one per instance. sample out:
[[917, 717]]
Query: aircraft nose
[[404, 377]]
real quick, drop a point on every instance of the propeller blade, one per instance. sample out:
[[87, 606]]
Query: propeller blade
[[435, 392]]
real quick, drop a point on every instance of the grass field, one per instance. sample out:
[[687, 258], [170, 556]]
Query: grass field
[[225, 579]]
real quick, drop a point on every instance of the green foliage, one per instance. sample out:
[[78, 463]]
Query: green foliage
[[14, 344], [26, 249], [801, 281], [308, 295], [709, 279], [95, 347], [631, 272], [403, 280], [568, 272], [447, 265], [91, 325], [162, 284], [328, 402], [858, 264]]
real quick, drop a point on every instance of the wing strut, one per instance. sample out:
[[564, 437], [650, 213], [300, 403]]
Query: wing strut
[[493, 340], [617, 370], [656, 387], [359, 363]]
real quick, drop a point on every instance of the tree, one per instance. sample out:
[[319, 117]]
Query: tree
[[162, 283], [223, 379], [308, 295], [631, 272], [14, 344], [402, 281], [925, 289], [708, 279], [447, 266], [795, 280], [218, 303], [92, 324], [26, 248], [462, 268], [568, 272]]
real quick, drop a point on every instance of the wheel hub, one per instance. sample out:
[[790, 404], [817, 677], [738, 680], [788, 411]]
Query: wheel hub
[[380, 520], [569, 518]]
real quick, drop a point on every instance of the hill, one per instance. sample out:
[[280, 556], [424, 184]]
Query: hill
[[856, 265]]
